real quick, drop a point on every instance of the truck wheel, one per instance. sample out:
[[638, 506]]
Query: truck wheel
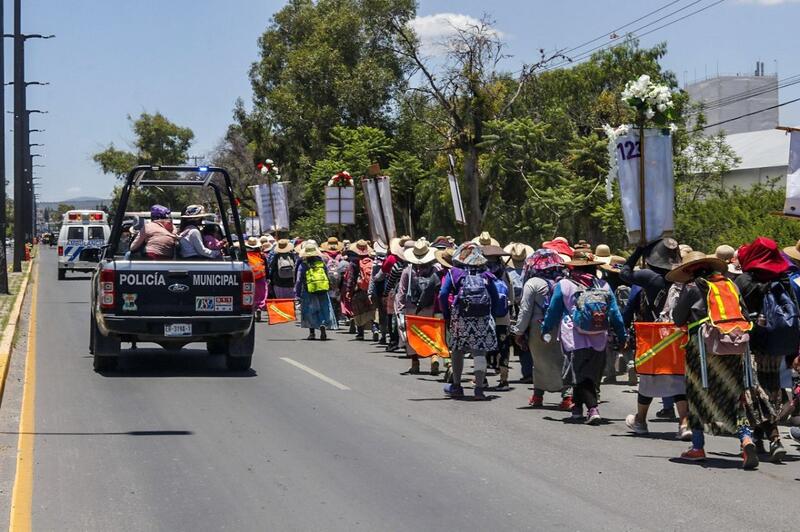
[[240, 351], [61, 274], [105, 348]]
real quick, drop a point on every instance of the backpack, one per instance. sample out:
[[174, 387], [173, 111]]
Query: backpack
[[472, 298], [590, 314], [334, 276], [782, 321], [546, 304], [515, 277], [502, 296], [726, 331], [422, 290], [364, 274], [317, 278], [285, 265], [623, 295]]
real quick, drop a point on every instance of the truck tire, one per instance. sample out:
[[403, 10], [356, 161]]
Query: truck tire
[[105, 349], [240, 351], [61, 274]]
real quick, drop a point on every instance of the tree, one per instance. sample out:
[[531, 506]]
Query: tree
[[58, 215]]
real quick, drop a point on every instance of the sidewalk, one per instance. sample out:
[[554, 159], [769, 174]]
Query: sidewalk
[[7, 300]]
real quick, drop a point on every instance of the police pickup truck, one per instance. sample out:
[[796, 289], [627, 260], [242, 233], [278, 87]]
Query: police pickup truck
[[177, 301]]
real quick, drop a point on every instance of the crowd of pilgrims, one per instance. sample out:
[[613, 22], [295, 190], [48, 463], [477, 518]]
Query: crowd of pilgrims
[[567, 313]]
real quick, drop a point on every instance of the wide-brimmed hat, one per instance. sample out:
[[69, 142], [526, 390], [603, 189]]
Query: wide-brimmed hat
[[602, 253], [380, 248], [581, 258], [421, 253], [561, 246], [332, 244], [614, 265], [583, 244], [445, 257], [694, 261], [360, 248], [793, 251], [252, 243], [664, 254], [310, 249], [493, 251], [194, 211], [284, 246], [444, 242], [724, 252], [469, 254], [544, 259], [518, 253], [396, 245], [485, 239]]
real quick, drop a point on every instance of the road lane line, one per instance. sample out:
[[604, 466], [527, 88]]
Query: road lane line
[[22, 493], [315, 373]]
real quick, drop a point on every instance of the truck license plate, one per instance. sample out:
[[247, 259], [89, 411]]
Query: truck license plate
[[178, 329]]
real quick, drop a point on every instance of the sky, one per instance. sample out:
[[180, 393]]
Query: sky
[[189, 60]]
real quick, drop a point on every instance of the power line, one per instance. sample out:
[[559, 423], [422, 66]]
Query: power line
[[738, 97], [751, 114]]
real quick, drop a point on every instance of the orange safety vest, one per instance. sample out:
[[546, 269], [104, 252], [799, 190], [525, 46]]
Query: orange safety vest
[[257, 264], [724, 310]]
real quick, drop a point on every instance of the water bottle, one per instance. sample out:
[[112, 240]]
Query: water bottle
[[547, 337]]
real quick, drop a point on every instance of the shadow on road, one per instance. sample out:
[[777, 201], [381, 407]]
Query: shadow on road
[[184, 363]]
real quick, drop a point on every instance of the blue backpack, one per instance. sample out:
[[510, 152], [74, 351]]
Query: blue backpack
[[590, 314], [502, 296], [473, 300], [782, 321]]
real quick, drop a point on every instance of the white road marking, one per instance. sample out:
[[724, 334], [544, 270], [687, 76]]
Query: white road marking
[[315, 373]]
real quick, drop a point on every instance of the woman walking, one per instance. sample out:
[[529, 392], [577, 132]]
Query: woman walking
[[258, 265], [312, 290]]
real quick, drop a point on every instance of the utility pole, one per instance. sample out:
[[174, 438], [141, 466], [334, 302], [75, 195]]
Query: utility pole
[[3, 221]]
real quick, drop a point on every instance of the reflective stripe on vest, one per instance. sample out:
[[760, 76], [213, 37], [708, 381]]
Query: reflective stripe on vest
[[724, 310]]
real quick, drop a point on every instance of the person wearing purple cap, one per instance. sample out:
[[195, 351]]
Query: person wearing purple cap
[[157, 236]]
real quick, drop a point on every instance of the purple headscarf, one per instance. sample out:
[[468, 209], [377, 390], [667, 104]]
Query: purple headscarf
[[544, 263]]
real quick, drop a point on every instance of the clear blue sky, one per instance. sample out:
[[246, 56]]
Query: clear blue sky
[[189, 60]]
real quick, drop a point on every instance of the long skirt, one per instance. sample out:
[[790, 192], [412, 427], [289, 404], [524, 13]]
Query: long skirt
[[363, 310], [662, 385], [468, 334], [548, 363], [283, 292], [317, 311], [726, 405]]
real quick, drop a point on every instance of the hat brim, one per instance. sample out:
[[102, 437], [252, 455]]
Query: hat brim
[[604, 260], [685, 272], [194, 216], [329, 247], [281, 249], [360, 252], [792, 252], [413, 258], [582, 263], [443, 258], [253, 246], [494, 251], [306, 254]]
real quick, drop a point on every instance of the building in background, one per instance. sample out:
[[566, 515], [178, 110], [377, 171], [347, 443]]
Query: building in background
[[764, 157], [726, 97]]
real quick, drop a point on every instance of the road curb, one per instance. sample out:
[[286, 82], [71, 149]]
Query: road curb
[[7, 344]]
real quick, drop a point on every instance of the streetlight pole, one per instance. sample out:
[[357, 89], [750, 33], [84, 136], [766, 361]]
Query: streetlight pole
[[3, 221]]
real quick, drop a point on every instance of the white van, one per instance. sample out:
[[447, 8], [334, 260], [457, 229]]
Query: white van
[[81, 230]]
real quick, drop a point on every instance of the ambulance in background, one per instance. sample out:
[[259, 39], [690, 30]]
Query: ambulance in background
[[83, 232]]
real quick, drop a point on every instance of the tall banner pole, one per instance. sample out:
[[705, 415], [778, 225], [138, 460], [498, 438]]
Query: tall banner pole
[[642, 211], [380, 205]]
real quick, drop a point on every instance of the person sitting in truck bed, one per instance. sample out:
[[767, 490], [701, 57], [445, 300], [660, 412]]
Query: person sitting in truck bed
[[191, 240], [212, 236], [157, 236]]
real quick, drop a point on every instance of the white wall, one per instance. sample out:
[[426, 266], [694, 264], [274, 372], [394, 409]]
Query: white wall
[[751, 176]]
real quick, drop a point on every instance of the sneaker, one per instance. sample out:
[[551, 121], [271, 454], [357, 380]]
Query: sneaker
[[375, 336], [567, 405], [635, 426], [382, 341], [454, 391], [535, 401], [434, 369], [323, 334], [526, 380], [593, 417], [749, 454], [684, 433], [577, 413], [479, 395], [502, 386], [776, 452], [391, 348], [666, 413], [694, 455], [794, 432], [311, 336], [413, 370], [360, 336]]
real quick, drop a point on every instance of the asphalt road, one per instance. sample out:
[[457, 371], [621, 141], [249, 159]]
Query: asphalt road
[[174, 442]]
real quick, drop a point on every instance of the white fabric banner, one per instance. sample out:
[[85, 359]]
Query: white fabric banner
[[792, 204], [378, 199], [273, 206], [659, 184], [340, 205], [455, 193]]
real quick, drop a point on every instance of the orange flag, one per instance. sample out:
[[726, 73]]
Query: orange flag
[[660, 348], [426, 336], [280, 311]]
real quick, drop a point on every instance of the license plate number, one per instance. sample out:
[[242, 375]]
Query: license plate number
[[178, 329]]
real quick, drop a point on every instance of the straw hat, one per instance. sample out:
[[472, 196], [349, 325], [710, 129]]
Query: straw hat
[[310, 249], [793, 251], [421, 253], [493, 251], [485, 239], [694, 261], [194, 211], [602, 254], [360, 248], [332, 244], [396, 244], [445, 257], [583, 244], [380, 248], [443, 242], [518, 252], [582, 258], [252, 243], [724, 252], [283, 246], [614, 265], [469, 254]]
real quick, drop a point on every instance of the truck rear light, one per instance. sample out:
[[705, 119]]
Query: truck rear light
[[107, 278], [60, 251], [248, 290]]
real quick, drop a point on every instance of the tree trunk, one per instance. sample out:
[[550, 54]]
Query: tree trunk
[[473, 185]]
